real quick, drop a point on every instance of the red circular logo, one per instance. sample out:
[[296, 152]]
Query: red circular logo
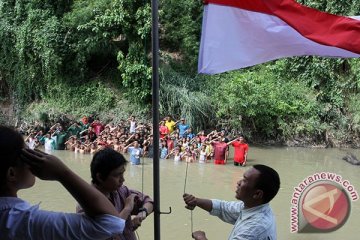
[[325, 206]]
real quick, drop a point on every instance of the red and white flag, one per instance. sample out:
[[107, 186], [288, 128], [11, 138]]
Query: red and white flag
[[243, 33]]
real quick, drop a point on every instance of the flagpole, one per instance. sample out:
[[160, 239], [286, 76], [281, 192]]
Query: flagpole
[[155, 113]]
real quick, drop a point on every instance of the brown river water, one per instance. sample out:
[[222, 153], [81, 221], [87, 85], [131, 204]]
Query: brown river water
[[215, 181]]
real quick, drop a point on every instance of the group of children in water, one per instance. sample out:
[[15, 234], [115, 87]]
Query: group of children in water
[[177, 140]]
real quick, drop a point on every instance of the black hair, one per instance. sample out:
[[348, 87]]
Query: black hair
[[268, 182], [11, 144], [104, 161]]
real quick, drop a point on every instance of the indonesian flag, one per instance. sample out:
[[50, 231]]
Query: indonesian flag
[[243, 33]]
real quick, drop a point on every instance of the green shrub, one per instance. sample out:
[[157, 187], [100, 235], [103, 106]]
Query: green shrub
[[264, 105]]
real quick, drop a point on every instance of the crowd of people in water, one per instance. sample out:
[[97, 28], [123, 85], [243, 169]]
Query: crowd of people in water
[[177, 140]]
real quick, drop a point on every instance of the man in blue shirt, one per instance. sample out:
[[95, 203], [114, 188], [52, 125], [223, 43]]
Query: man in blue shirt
[[189, 133], [135, 152], [183, 127], [251, 216]]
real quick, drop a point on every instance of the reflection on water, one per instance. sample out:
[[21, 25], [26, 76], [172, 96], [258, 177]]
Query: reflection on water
[[214, 181]]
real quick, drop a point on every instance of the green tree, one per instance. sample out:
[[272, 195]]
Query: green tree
[[180, 26], [104, 32], [30, 40]]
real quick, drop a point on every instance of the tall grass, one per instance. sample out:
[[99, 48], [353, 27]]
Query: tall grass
[[181, 96], [73, 102]]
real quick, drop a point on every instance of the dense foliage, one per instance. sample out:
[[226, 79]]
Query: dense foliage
[[260, 102], [83, 56]]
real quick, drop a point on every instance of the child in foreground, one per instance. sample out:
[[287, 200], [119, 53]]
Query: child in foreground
[[20, 220]]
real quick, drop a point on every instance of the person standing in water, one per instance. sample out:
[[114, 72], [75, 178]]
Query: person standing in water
[[240, 150]]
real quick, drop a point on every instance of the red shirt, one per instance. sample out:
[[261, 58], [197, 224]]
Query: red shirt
[[170, 144], [240, 150], [98, 127], [163, 131], [202, 138], [219, 150]]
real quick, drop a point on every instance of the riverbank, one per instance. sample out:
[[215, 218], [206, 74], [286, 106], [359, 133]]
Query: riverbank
[[8, 116], [309, 143]]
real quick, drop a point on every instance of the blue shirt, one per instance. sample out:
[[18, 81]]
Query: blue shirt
[[257, 223], [135, 154], [20, 220], [190, 135], [163, 152], [182, 129]]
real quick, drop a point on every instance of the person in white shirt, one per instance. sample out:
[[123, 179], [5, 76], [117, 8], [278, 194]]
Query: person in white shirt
[[132, 122], [31, 141], [20, 220], [49, 143], [251, 216]]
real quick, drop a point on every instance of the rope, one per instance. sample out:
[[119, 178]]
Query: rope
[[191, 211], [192, 222], [186, 173], [142, 187], [142, 178]]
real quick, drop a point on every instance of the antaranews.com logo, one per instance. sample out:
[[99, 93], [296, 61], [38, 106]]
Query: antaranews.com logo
[[321, 203]]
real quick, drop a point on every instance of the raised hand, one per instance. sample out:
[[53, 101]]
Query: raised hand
[[43, 165]]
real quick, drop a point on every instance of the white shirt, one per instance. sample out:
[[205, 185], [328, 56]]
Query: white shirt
[[257, 223], [19, 220], [32, 143], [202, 156], [49, 144], [132, 126], [177, 158]]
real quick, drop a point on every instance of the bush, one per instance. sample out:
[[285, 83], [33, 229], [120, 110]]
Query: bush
[[262, 104], [72, 100]]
